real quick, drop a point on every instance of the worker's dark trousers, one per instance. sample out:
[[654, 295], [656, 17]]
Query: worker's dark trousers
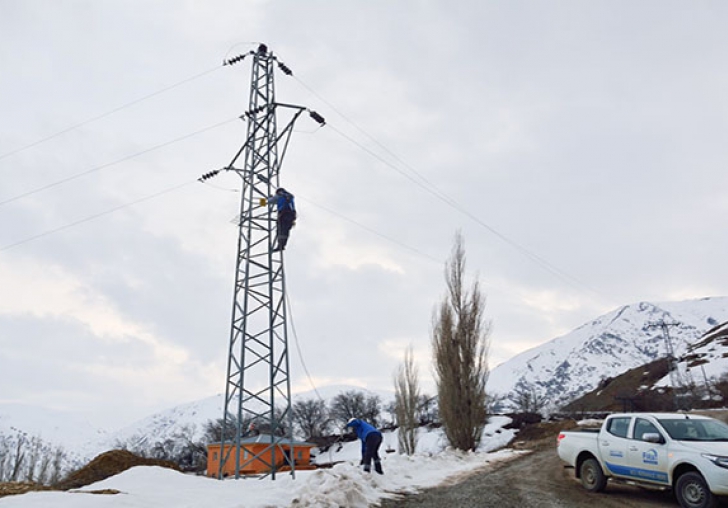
[[285, 223], [371, 451]]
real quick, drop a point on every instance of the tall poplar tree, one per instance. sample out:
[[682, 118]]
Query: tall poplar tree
[[460, 342]]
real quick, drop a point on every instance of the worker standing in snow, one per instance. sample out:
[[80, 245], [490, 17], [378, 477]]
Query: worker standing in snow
[[371, 440], [283, 201]]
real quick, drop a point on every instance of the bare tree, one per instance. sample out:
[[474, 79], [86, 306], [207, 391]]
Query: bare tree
[[355, 404], [406, 397], [36, 451], [311, 417], [19, 459], [57, 461], [372, 409], [460, 349], [5, 447], [527, 398], [427, 410], [721, 386], [44, 466], [214, 428]]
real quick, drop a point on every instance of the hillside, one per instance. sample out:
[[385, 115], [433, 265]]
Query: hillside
[[633, 390], [649, 387], [709, 355], [574, 364]]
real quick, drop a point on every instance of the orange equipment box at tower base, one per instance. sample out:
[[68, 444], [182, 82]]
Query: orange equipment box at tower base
[[257, 456]]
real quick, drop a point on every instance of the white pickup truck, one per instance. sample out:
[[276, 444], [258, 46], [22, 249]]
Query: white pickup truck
[[686, 453]]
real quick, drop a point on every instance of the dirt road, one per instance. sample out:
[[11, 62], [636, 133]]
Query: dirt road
[[536, 480]]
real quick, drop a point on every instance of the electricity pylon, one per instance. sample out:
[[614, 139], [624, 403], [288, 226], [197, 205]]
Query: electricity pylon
[[676, 379], [258, 387]]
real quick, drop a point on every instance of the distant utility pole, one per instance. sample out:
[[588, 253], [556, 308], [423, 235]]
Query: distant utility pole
[[258, 383], [675, 377]]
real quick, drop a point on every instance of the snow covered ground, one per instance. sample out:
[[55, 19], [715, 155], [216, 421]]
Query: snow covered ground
[[345, 484]]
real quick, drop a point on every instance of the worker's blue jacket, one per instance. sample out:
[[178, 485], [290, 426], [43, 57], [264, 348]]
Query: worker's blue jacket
[[284, 201], [362, 429]]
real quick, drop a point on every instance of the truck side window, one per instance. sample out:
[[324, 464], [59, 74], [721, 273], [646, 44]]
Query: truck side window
[[642, 427], [618, 426]]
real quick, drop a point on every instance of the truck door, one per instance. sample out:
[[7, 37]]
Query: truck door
[[613, 444], [647, 461]]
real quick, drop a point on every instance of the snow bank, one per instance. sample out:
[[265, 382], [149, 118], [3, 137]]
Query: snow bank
[[345, 484]]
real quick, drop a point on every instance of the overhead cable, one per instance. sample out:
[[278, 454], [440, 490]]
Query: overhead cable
[[118, 161], [569, 279], [108, 113], [428, 186], [387, 238], [370, 230], [94, 216], [298, 348]]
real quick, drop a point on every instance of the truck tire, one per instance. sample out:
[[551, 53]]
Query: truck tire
[[691, 491], [592, 476]]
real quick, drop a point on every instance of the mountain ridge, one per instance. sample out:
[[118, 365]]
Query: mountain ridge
[[573, 364]]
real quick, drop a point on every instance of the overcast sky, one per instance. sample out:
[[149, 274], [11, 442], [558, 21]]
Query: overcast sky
[[581, 145]]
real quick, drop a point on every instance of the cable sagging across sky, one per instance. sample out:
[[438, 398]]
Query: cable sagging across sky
[[107, 113]]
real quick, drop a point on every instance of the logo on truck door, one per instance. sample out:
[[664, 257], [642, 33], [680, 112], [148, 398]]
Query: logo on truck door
[[650, 457]]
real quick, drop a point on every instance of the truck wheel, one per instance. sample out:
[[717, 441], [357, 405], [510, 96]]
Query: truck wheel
[[592, 476], [691, 491]]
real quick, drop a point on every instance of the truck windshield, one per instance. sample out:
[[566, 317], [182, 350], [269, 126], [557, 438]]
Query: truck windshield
[[688, 429]]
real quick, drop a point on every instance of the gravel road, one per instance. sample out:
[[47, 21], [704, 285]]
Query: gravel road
[[536, 480]]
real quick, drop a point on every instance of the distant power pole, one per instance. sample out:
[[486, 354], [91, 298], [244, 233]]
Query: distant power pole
[[257, 388], [675, 377]]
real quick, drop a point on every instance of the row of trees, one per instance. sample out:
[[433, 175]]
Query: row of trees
[[313, 418], [24, 458]]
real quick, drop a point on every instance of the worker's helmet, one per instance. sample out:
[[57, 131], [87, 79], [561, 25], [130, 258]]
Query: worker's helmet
[[280, 190], [351, 420]]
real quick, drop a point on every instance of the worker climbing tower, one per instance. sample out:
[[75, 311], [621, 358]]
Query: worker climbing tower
[[257, 390]]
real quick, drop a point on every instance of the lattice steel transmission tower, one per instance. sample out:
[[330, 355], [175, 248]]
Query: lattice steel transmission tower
[[258, 387], [676, 379]]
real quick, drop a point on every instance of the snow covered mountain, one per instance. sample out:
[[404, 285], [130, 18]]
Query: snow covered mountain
[[573, 364], [186, 420]]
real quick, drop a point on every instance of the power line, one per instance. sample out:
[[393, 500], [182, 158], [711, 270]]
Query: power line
[[298, 348], [360, 129], [108, 113], [389, 239], [152, 196], [118, 161], [431, 188], [95, 216], [372, 231]]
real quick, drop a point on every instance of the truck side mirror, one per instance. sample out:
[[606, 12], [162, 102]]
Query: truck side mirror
[[653, 437]]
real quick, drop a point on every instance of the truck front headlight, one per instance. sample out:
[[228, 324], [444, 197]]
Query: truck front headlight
[[717, 460]]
